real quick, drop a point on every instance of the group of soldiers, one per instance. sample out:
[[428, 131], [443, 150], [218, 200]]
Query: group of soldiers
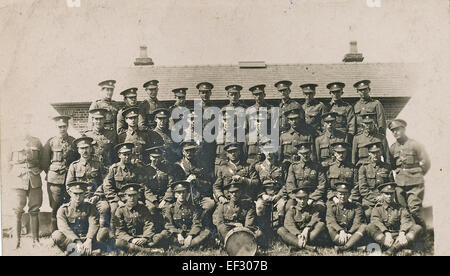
[[126, 184]]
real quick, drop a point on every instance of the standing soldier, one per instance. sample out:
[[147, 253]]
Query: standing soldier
[[391, 225], [151, 104], [104, 139], [106, 102], [330, 135], [130, 99], [136, 231], [183, 218], [314, 109], [284, 87], [78, 223], [161, 135], [180, 101], [371, 175], [345, 220], [59, 153], [235, 170], [205, 91], [345, 120], [234, 95], [340, 170], [25, 167], [134, 135], [302, 226], [410, 163], [370, 134], [90, 171], [367, 104]]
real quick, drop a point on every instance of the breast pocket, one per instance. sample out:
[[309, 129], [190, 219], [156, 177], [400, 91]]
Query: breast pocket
[[362, 151], [80, 171], [324, 151], [410, 157], [33, 154], [57, 154]]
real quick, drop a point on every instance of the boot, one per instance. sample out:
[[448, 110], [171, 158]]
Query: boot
[[393, 249], [18, 229], [311, 248], [352, 241], [34, 221]]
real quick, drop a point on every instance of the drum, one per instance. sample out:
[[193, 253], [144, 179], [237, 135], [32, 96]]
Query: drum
[[240, 241]]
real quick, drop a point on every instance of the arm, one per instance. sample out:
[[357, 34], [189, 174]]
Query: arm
[[331, 219], [121, 226], [149, 226], [289, 223], [363, 185], [357, 220], [424, 160], [250, 218], [314, 220], [321, 185], [218, 185], [381, 120], [406, 221], [109, 187], [93, 222], [351, 121], [387, 153], [354, 193], [63, 225], [355, 150], [70, 177], [168, 217], [291, 182], [376, 218], [218, 216], [196, 223], [46, 156], [121, 124]]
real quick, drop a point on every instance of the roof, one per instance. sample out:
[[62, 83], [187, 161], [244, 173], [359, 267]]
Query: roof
[[388, 79]]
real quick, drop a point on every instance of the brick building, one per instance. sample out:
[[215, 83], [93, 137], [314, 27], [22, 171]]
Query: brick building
[[392, 83]]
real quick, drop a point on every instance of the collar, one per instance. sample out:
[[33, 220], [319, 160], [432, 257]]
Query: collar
[[311, 103], [72, 206], [403, 141], [153, 100], [83, 161], [131, 208], [131, 131], [362, 100]]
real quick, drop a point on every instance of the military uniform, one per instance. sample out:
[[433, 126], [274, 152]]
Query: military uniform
[[287, 150], [286, 105], [141, 141], [119, 175], [149, 105], [121, 123], [157, 185], [307, 175], [162, 137], [324, 141], [345, 119], [410, 163], [222, 141], [110, 105], [342, 172]]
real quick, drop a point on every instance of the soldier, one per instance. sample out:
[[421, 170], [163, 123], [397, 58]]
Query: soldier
[[345, 220], [371, 175], [259, 94], [340, 170], [104, 139], [234, 94], [151, 104], [58, 153], [307, 173], [136, 231], [302, 226], [90, 171], [25, 166], [180, 98], [239, 211], [284, 87], [314, 109], [271, 196], [133, 134], [391, 225], [119, 174], [235, 170], [130, 99], [183, 218], [78, 224], [254, 145], [367, 104], [161, 135], [410, 163], [370, 134], [106, 102], [345, 120], [205, 91], [330, 135]]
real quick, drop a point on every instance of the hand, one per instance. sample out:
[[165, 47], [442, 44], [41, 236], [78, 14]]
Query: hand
[[191, 177], [304, 237], [94, 199], [310, 201], [121, 204], [266, 197], [335, 200], [87, 247], [187, 241], [161, 204], [342, 237], [139, 241], [388, 241], [180, 239], [236, 178], [223, 199], [79, 248], [402, 239]]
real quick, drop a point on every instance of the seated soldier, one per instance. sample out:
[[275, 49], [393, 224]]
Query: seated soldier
[[135, 229], [302, 225], [344, 220], [267, 200], [391, 225], [78, 224], [239, 211], [183, 218], [370, 175]]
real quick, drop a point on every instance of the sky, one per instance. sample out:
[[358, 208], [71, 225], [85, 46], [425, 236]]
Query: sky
[[50, 50]]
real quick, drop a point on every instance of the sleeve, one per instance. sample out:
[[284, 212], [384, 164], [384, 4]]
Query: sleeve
[[218, 185], [320, 191], [168, 217], [250, 217], [46, 156], [92, 106], [70, 177], [376, 218], [196, 223], [289, 223], [381, 119], [121, 124], [109, 187], [354, 193], [218, 216], [424, 159], [252, 181], [121, 226], [355, 150], [357, 220], [406, 220], [387, 153], [317, 149], [63, 225], [41, 156], [363, 185], [149, 226], [141, 121], [93, 222], [290, 181], [351, 120], [331, 219]]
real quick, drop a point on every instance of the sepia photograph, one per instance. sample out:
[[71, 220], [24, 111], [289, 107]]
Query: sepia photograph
[[224, 128]]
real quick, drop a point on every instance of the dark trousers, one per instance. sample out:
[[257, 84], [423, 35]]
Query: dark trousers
[[34, 198], [356, 237], [379, 237], [292, 239], [57, 195], [62, 242], [196, 241], [411, 197]]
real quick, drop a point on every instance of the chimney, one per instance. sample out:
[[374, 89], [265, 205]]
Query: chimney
[[143, 59], [353, 56]]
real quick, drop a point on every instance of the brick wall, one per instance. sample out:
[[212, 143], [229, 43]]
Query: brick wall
[[79, 111]]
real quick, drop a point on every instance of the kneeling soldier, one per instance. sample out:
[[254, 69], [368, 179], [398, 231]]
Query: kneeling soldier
[[78, 223], [391, 225], [183, 218], [135, 229], [344, 220], [302, 225]]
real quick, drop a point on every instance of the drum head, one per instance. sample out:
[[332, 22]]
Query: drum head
[[240, 242]]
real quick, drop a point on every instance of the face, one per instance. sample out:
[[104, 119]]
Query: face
[[399, 132], [152, 92], [259, 98], [302, 202], [340, 155], [156, 159], [98, 122], [205, 95], [388, 197], [76, 198], [62, 130], [285, 93], [336, 95], [181, 196], [180, 100], [162, 123], [304, 156], [343, 196], [295, 122], [234, 154], [270, 156], [125, 157], [234, 96], [369, 126], [189, 153], [131, 100], [329, 125], [132, 199], [309, 96], [106, 92], [375, 156], [132, 121], [85, 152], [235, 195], [364, 93]]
